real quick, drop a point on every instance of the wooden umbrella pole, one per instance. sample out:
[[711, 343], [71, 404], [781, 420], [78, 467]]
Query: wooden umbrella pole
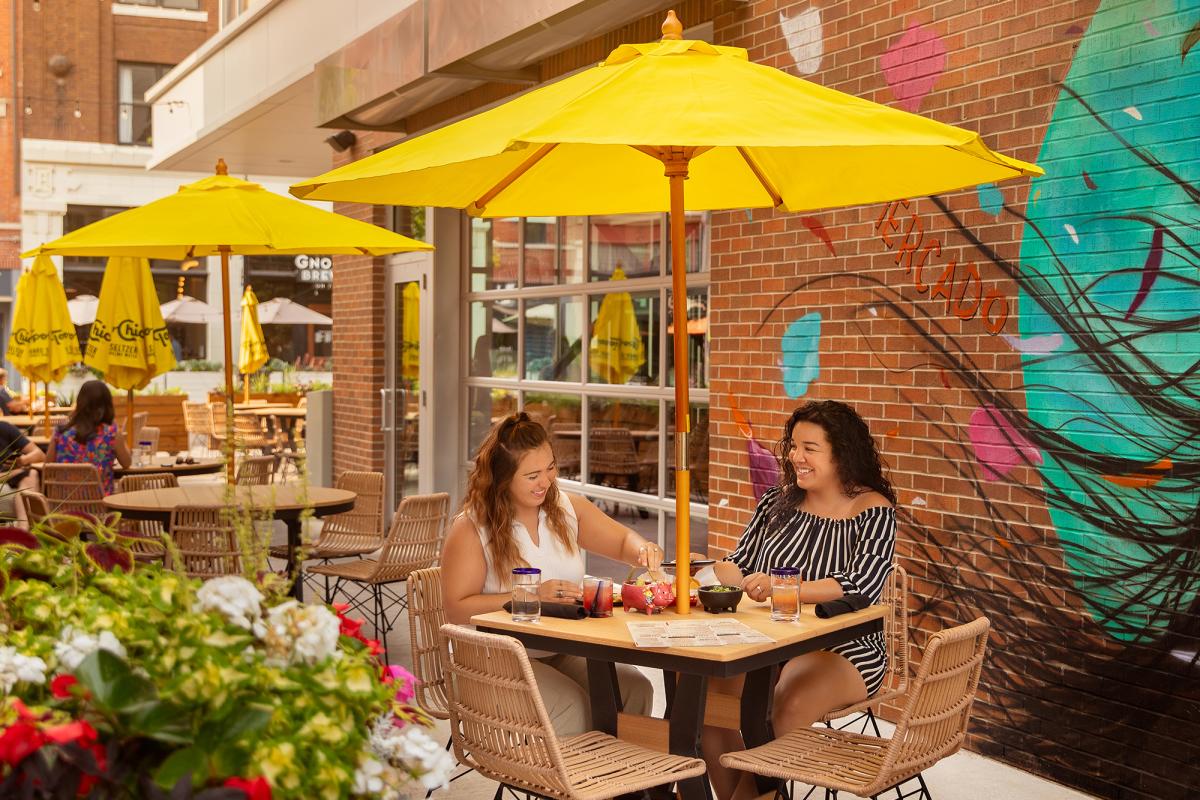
[[47, 386], [225, 306], [676, 164], [129, 420]]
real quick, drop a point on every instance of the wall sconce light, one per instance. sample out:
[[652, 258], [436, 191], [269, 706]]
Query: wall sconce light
[[342, 141]]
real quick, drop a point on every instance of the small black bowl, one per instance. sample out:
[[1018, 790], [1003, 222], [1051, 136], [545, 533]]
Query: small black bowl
[[714, 601]]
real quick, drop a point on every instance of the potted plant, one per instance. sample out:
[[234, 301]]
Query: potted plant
[[121, 682]]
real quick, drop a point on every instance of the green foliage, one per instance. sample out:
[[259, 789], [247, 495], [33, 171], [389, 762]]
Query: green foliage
[[199, 365]]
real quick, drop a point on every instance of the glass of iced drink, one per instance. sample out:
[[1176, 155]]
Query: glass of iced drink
[[785, 594], [598, 596]]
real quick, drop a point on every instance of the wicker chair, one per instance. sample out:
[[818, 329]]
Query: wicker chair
[[412, 544], [146, 535], [612, 457], [198, 420], [352, 533], [248, 434], [140, 418], [895, 639], [74, 489], [205, 541], [218, 429], [933, 726], [426, 616], [255, 471], [37, 508], [500, 728], [566, 453]]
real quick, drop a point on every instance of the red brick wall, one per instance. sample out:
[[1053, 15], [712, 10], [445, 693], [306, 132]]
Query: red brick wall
[[94, 39], [10, 206], [1076, 687]]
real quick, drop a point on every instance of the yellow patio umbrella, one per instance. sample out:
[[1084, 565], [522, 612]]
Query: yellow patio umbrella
[[616, 351], [625, 136], [42, 344], [129, 342], [410, 357], [252, 352]]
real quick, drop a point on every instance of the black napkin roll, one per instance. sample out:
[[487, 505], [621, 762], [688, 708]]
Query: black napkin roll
[[843, 605], [560, 610]]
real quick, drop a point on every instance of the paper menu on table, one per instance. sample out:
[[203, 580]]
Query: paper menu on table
[[694, 633]]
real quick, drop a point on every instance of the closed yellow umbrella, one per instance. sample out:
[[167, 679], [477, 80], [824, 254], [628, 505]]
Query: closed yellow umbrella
[[616, 351], [42, 344], [669, 126], [410, 356], [129, 341], [252, 352]]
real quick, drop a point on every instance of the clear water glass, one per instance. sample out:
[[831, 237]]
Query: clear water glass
[[785, 594], [526, 604]]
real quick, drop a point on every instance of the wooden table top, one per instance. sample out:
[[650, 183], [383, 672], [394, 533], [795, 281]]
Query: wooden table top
[[22, 420], [282, 499], [201, 466], [276, 411], [251, 406], [575, 433], [613, 632]]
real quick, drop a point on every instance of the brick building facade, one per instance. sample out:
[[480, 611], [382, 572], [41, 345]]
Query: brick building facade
[[1025, 354]]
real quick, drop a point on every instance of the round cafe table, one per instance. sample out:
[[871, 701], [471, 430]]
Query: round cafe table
[[201, 466], [286, 503]]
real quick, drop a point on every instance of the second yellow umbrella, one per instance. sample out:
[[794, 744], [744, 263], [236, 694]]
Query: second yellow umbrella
[[616, 352], [252, 353], [129, 341], [42, 344]]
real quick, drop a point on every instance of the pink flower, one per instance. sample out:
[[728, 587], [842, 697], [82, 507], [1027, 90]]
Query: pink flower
[[405, 682]]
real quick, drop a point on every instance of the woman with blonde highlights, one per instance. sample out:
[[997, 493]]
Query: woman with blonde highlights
[[515, 515]]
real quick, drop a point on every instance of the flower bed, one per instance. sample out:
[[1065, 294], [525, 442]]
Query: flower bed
[[123, 682]]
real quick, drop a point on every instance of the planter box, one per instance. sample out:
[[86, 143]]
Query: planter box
[[166, 414]]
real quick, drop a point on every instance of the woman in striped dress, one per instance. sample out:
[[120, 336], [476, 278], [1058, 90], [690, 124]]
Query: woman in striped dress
[[831, 516]]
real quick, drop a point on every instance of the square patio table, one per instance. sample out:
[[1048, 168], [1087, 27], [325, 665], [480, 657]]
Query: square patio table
[[606, 642]]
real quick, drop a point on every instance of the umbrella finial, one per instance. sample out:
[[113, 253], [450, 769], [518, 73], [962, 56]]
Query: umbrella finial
[[221, 168], [672, 28]]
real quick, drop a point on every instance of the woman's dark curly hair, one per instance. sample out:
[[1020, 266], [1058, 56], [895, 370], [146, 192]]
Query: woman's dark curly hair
[[854, 453]]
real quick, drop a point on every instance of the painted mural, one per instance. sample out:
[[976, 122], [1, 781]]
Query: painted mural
[[1083, 464]]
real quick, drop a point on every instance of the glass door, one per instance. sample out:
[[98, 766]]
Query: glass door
[[405, 397]]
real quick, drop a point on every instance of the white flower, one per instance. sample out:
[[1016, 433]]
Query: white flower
[[235, 597], [75, 645], [368, 778], [15, 668], [413, 750], [301, 634]]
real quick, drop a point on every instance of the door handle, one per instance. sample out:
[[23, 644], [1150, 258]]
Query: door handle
[[383, 410]]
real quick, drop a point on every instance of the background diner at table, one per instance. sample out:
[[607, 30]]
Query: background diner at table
[[515, 515]]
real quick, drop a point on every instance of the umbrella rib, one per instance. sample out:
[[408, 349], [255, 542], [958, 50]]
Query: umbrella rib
[[521, 169], [762, 179]]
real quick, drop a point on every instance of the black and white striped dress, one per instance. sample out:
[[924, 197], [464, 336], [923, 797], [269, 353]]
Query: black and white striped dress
[[856, 552]]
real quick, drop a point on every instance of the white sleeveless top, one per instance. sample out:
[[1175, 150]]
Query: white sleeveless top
[[548, 555]]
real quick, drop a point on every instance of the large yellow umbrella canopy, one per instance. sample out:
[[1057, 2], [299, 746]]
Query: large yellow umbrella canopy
[[626, 135], [42, 344], [222, 215], [252, 352], [616, 351]]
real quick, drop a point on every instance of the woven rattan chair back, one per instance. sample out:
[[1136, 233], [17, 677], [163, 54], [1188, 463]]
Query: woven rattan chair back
[[934, 722], [217, 423], [37, 508], [426, 616], [498, 722], [414, 537], [197, 419], [73, 489], [361, 528], [566, 453], [255, 471], [895, 629], [140, 418], [248, 432], [146, 535], [611, 453], [205, 542]]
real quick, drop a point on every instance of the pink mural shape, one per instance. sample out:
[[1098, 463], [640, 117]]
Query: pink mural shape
[[999, 447], [913, 64]]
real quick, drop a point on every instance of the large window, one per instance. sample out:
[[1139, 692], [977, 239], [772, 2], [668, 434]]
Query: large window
[[570, 320], [133, 112]]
